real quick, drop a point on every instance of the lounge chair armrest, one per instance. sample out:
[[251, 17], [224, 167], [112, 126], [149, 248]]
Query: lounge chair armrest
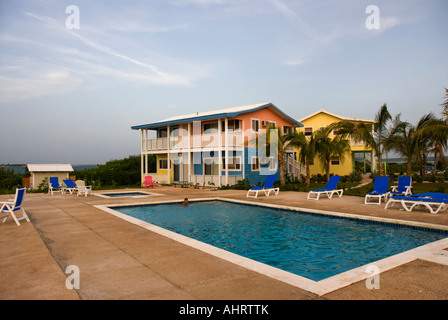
[[4, 204], [394, 188]]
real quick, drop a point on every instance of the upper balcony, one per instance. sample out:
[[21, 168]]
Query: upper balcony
[[194, 142]]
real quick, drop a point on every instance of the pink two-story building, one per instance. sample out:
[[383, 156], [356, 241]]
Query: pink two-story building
[[213, 148]]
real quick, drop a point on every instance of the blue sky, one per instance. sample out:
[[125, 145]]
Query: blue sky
[[71, 95]]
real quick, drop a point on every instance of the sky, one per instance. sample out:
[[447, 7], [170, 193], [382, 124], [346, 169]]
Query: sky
[[73, 80]]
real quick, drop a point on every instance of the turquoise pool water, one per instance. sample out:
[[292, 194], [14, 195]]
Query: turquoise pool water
[[310, 245]]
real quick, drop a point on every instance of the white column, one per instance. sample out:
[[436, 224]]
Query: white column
[[141, 160], [189, 151], [373, 160], [243, 159], [226, 144], [168, 153], [146, 152], [220, 150]]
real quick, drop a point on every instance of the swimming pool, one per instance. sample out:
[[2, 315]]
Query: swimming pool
[[310, 245], [133, 194]]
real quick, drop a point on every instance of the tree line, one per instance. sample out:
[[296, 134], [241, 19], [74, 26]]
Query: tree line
[[114, 173], [411, 141]]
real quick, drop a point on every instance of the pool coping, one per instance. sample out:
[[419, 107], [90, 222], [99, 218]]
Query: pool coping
[[433, 252]]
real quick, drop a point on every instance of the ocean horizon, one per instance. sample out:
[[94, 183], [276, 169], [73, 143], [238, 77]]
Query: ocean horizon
[[21, 168]]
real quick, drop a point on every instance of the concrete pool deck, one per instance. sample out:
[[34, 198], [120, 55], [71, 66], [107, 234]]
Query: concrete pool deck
[[121, 260]]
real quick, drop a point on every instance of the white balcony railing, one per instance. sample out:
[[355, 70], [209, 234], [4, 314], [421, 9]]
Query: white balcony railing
[[196, 141]]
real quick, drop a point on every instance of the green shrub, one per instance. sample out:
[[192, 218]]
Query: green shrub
[[9, 180], [114, 173]]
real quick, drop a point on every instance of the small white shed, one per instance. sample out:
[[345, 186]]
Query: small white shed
[[39, 172]]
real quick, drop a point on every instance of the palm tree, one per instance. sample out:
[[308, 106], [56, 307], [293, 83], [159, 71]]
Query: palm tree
[[373, 138], [433, 135], [425, 140], [391, 134], [273, 141], [306, 150], [445, 105], [327, 148], [405, 144]]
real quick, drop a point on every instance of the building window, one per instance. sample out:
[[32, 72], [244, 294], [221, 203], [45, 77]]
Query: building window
[[255, 163], [234, 163], [211, 127], [308, 131], [162, 133], [267, 123], [255, 125], [336, 132], [288, 130], [163, 164], [211, 167], [272, 164], [335, 161], [233, 125]]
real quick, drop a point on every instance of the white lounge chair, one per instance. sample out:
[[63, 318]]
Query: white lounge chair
[[329, 189], [82, 188], [434, 202], [14, 205]]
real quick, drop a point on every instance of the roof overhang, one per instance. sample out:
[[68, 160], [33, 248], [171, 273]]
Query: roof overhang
[[223, 113], [336, 116], [49, 167]]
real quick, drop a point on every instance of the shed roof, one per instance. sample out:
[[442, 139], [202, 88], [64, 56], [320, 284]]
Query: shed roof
[[221, 113], [49, 167]]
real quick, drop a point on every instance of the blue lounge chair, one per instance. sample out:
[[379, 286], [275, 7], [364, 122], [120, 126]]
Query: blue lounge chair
[[267, 187], [54, 186], [70, 186], [403, 188], [329, 189], [14, 205], [433, 201], [434, 195], [379, 191]]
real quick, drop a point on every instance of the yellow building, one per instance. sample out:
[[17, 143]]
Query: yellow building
[[359, 152]]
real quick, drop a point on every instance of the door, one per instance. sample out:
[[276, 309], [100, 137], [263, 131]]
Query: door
[[176, 172]]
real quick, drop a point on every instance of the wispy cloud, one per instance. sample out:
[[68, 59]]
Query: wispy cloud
[[301, 25], [327, 35], [161, 76], [134, 27], [37, 84], [199, 2]]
